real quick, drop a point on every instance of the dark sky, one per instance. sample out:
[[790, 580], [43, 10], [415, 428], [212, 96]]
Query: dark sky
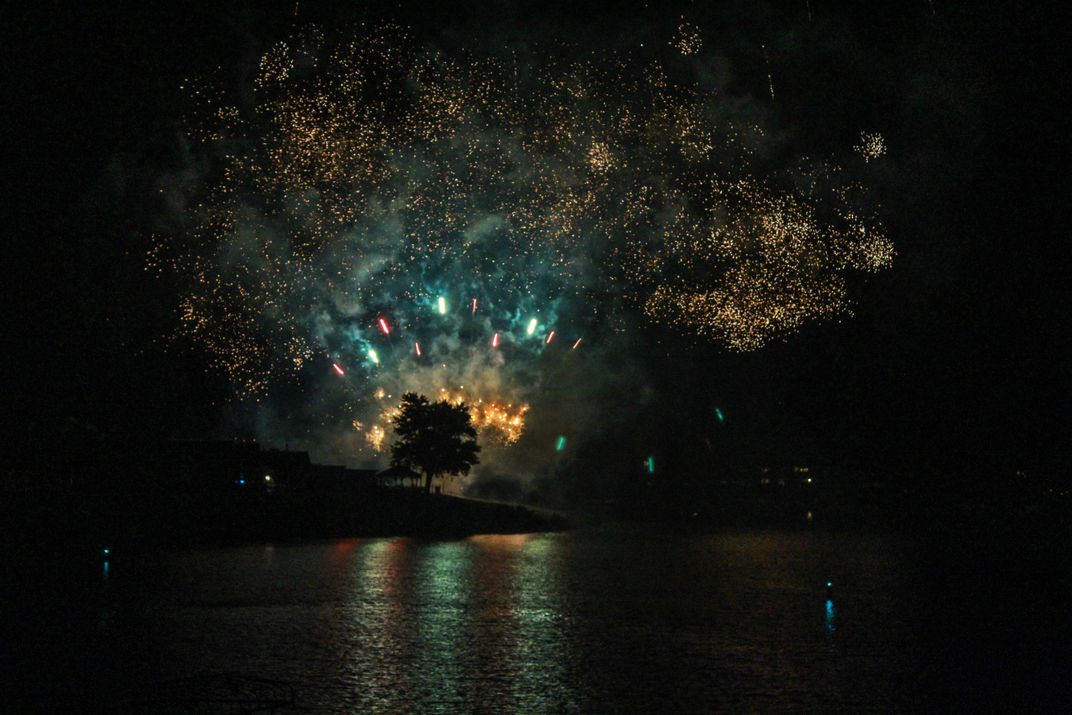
[[953, 357]]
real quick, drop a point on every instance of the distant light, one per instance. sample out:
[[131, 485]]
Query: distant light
[[651, 465], [576, 344], [417, 347], [442, 303], [373, 356], [532, 327], [241, 482], [829, 584], [267, 477], [106, 551], [338, 369], [550, 337], [560, 443], [384, 327], [718, 413]]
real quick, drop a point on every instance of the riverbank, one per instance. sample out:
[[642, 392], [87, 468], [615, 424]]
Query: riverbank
[[71, 528]]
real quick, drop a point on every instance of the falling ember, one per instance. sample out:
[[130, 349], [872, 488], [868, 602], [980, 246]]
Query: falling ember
[[474, 306], [576, 344], [373, 356], [718, 413], [384, 327], [532, 327], [338, 369], [560, 443], [550, 337], [441, 302], [651, 465], [770, 79], [495, 340], [417, 347]]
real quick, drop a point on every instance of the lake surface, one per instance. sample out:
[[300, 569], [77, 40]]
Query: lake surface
[[610, 621]]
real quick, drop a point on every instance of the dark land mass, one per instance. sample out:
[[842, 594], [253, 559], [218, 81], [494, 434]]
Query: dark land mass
[[70, 506], [98, 493]]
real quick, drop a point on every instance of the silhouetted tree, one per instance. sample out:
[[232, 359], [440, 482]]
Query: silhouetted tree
[[434, 438]]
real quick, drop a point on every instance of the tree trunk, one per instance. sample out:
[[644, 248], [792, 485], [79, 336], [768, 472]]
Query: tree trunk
[[428, 483]]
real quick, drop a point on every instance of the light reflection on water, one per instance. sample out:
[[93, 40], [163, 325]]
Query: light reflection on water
[[445, 624], [541, 623]]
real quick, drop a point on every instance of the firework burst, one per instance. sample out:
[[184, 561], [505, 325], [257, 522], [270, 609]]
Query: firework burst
[[378, 178]]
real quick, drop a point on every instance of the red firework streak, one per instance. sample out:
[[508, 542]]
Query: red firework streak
[[495, 340], [576, 344], [384, 327], [417, 347], [338, 369], [550, 337], [474, 306]]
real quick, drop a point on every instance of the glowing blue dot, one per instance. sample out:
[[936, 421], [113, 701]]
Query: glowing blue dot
[[829, 584], [107, 551]]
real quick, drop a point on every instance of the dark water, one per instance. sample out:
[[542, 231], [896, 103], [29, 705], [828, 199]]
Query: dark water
[[571, 622]]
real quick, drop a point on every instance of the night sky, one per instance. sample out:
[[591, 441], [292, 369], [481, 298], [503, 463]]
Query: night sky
[[951, 358]]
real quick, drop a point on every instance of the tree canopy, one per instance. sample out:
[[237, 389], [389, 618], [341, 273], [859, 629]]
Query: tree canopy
[[434, 438]]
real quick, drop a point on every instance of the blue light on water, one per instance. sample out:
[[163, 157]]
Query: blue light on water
[[106, 569], [831, 616]]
